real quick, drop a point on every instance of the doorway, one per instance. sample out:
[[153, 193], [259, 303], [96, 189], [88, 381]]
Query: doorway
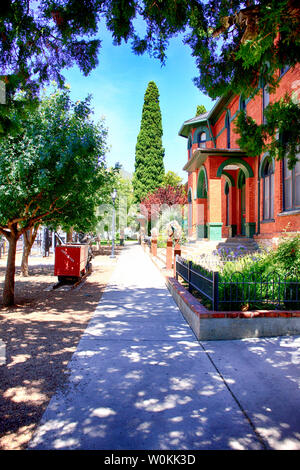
[[242, 186]]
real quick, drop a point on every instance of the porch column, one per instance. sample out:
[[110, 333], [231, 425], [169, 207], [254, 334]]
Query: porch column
[[250, 225], [214, 224]]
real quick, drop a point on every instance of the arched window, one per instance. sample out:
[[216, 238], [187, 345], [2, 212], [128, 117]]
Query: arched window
[[189, 147], [202, 184], [291, 184], [265, 100], [227, 126], [202, 140], [268, 191]]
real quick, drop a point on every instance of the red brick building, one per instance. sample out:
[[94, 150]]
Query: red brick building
[[230, 193]]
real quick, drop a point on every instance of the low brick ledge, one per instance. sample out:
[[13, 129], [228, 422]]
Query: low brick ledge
[[203, 312]]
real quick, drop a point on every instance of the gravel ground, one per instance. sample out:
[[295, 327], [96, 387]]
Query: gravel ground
[[40, 334]]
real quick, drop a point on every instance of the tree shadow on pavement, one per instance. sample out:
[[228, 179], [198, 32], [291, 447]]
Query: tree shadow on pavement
[[40, 333]]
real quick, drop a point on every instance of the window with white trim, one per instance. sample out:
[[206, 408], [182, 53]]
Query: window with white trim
[[291, 186], [189, 147], [265, 100], [202, 140], [268, 191], [227, 126]]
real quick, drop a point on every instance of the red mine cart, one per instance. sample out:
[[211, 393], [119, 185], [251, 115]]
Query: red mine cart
[[71, 261]]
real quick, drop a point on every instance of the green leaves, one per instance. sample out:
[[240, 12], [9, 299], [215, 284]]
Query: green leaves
[[232, 44], [36, 43], [279, 135], [226, 38], [53, 171]]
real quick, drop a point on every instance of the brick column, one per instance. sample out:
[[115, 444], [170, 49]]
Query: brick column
[[154, 246], [214, 223], [169, 253], [250, 207], [177, 251]]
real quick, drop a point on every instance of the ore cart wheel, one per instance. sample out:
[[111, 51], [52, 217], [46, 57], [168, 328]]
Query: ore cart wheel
[[68, 279]]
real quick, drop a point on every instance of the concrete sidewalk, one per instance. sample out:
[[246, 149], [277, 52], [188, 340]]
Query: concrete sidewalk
[[139, 379]]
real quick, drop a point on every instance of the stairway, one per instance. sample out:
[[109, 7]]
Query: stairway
[[238, 243], [234, 244]]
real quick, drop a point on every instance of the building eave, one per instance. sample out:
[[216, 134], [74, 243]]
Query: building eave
[[200, 155], [192, 123]]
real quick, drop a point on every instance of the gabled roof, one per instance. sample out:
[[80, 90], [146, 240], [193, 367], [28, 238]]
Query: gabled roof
[[200, 118], [190, 123], [210, 116]]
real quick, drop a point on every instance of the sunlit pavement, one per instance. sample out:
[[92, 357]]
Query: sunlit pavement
[[140, 380]]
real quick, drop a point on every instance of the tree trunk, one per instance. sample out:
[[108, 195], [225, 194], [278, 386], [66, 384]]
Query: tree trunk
[[9, 283], [29, 238], [24, 263], [70, 236]]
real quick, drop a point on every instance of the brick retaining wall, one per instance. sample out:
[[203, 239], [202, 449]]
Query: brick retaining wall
[[210, 325]]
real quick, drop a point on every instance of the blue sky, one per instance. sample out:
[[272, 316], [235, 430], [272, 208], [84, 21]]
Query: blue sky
[[118, 85]]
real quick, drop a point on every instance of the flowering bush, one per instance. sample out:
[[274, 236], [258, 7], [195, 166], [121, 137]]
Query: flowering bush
[[287, 254]]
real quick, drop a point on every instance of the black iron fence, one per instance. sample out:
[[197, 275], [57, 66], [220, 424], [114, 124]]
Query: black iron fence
[[237, 291]]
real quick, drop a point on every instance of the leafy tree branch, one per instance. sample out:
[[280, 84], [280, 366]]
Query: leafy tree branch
[[279, 135]]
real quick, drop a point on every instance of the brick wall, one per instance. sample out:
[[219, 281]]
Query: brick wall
[[290, 83]]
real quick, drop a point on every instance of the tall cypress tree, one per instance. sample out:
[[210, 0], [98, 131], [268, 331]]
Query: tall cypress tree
[[149, 152]]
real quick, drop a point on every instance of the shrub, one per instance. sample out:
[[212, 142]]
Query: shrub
[[287, 254], [253, 280]]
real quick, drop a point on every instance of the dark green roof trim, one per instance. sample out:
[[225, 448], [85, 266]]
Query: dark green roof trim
[[241, 179], [199, 131], [240, 163], [211, 133], [229, 178], [219, 107], [224, 128]]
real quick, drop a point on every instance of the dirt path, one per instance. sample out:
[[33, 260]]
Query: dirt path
[[40, 334]]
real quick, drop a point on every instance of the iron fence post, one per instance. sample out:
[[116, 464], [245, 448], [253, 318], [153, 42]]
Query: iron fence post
[[176, 273], [189, 275], [215, 290]]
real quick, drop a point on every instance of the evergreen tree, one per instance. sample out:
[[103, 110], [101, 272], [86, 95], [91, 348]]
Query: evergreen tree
[[149, 152], [201, 109]]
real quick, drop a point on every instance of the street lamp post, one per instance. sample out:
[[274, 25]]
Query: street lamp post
[[113, 198]]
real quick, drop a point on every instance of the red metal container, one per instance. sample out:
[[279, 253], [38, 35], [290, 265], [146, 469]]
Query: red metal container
[[71, 260]]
